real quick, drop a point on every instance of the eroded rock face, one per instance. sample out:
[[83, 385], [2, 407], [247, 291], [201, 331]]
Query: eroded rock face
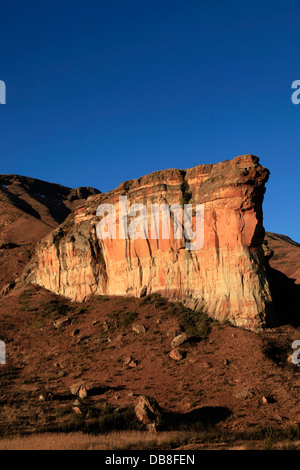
[[29, 210], [226, 276]]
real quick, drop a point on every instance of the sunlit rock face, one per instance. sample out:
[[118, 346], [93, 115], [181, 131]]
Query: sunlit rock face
[[226, 276]]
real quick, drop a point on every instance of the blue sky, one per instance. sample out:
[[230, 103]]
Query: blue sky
[[99, 92]]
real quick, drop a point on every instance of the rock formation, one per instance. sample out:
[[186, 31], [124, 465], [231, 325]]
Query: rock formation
[[148, 412], [226, 276], [29, 210]]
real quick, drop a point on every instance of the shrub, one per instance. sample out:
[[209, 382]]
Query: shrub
[[118, 420], [154, 299], [102, 298], [54, 309], [124, 319], [193, 322]]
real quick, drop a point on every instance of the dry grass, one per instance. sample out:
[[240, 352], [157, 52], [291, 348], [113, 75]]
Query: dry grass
[[135, 440], [126, 440]]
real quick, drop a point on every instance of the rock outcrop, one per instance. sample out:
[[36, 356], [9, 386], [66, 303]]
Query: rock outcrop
[[29, 210], [226, 276]]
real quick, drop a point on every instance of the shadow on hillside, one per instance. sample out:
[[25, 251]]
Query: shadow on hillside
[[96, 391], [198, 418], [286, 299]]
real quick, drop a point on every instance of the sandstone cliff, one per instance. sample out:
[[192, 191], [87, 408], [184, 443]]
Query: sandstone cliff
[[226, 276], [29, 210]]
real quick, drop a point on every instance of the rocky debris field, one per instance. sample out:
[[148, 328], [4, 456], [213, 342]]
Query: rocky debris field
[[128, 363]]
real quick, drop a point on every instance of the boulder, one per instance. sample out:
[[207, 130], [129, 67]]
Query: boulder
[[79, 389], [148, 412], [133, 364], [63, 321], [46, 396], [127, 360], [77, 410], [75, 332], [139, 329], [176, 354], [178, 340]]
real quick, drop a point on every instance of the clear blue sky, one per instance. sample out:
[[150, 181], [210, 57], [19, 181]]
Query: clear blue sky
[[107, 90]]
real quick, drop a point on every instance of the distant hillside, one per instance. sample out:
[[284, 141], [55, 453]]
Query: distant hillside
[[284, 278], [286, 256], [29, 209]]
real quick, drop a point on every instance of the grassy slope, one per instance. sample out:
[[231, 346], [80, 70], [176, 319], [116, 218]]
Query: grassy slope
[[217, 390]]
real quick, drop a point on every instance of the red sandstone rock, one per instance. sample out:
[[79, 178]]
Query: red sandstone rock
[[226, 276]]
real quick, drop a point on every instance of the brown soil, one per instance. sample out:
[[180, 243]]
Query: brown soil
[[221, 381]]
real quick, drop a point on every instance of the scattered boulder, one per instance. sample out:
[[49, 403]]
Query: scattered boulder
[[77, 410], [133, 363], [79, 389], [176, 354], [58, 365], [63, 321], [138, 328], [127, 360], [75, 332], [148, 412], [267, 399], [46, 396], [178, 340]]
